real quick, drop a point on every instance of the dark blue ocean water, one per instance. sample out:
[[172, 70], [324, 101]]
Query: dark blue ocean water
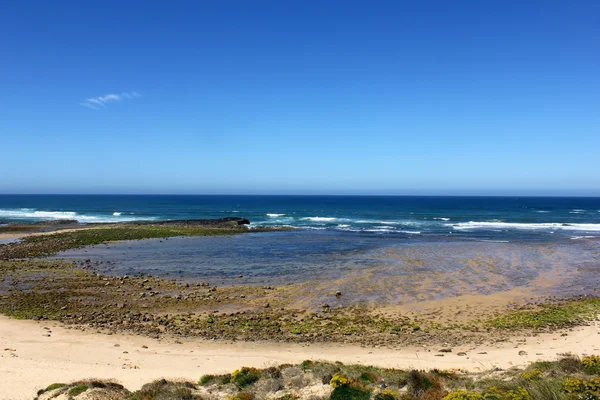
[[488, 218]]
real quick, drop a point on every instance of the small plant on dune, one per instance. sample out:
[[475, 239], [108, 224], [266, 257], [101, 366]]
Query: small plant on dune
[[241, 396], [204, 379], [418, 383], [494, 393], [591, 364], [348, 389], [532, 375], [288, 397], [464, 395], [573, 385], [386, 395], [306, 365], [369, 377], [77, 390], [245, 376], [569, 363], [339, 380], [54, 386]]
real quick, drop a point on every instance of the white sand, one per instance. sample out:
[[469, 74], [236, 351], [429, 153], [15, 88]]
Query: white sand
[[29, 360]]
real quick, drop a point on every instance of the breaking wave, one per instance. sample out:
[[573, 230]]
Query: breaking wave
[[528, 226], [28, 214]]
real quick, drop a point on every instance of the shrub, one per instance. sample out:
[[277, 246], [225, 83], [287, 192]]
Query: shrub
[[573, 385], [386, 395], [464, 395], [77, 390], [369, 377], [591, 364], [569, 363], [350, 392], [204, 379], [532, 375], [339, 380], [518, 394], [418, 383], [306, 364], [245, 376], [54, 386], [241, 396], [593, 385]]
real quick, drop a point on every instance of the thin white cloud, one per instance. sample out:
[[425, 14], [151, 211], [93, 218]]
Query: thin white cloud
[[94, 103]]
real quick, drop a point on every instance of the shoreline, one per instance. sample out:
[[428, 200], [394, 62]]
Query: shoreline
[[30, 359]]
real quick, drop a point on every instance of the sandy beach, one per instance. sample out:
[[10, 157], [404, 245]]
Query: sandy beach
[[36, 354]]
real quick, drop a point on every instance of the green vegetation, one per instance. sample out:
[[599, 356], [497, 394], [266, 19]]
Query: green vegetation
[[44, 245], [54, 386], [77, 390], [245, 376], [558, 315], [204, 379], [548, 380]]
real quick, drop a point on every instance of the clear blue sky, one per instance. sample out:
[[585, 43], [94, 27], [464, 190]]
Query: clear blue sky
[[381, 97]]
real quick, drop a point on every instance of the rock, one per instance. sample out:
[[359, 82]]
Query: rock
[[522, 353], [338, 293], [445, 350], [462, 353]]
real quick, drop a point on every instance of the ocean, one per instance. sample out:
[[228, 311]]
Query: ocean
[[378, 249], [409, 217]]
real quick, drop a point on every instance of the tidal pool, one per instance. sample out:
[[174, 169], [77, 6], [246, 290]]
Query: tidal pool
[[371, 269]]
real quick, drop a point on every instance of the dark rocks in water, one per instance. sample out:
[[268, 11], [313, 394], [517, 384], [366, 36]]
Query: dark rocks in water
[[196, 222]]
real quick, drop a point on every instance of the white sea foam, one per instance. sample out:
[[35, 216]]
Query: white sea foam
[[32, 214], [319, 219], [374, 221], [343, 226], [412, 232], [526, 226], [442, 218], [583, 237], [576, 212], [116, 213], [275, 215], [542, 211]]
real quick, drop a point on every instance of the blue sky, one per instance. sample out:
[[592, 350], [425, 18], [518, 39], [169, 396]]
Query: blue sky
[[381, 97]]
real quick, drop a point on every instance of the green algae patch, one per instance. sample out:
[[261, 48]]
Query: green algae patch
[[45, 245], [563, 314]]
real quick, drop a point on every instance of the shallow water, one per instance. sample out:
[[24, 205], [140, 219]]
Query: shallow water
[[373, 269]]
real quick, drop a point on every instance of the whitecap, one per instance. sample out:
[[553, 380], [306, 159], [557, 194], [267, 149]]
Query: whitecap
[[526, 226], [275, 215], [442, 218], [31, 214], [319, 219], [116, 214]]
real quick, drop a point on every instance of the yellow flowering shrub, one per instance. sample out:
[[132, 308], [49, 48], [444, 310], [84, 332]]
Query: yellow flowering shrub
[[593, 385], [573, 385], [464, 395], [591, 364], [494, 393], [339, 380], [533, 375]]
